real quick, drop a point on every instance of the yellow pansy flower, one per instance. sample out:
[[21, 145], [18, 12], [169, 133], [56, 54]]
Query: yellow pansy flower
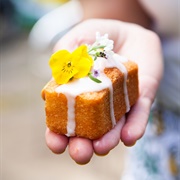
[[66, 65]]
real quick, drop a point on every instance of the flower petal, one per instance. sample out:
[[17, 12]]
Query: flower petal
[[82, 60], [64, 77], [84, 66], [57, 63]]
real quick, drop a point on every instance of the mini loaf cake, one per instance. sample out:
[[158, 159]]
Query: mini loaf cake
[[89, 104]]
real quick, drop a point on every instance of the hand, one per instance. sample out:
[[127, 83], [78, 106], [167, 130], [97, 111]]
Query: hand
[[139, 45]]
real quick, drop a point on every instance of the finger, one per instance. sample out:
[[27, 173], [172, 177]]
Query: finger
[[56, 143], [111, 139], [137, 118], [136, 122], [80, 150]]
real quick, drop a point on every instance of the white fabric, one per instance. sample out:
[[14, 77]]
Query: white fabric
[[150, 158]]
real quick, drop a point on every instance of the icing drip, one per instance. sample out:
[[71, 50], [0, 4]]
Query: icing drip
[[71, 115], [83, 85], [79, 86], [123, 69], [112, 106]]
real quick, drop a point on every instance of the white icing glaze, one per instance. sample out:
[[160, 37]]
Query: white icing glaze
[[123, 69], [83, 85]]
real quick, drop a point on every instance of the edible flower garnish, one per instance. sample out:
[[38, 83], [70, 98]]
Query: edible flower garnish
[[66, 65], [102, 46], [78, 64], [93, 76]]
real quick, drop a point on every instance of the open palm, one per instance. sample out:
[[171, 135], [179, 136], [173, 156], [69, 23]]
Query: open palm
[[139, 45]]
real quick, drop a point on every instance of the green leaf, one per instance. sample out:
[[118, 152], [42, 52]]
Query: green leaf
[[94, 79]]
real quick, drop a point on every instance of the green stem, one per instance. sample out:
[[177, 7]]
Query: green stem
[[96, 47], [93, 78]]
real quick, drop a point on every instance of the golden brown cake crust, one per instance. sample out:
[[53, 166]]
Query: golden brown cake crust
[[92, 110]]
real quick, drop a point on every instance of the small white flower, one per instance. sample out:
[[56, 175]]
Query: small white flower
[[104, 41], [108, 54], [102, 47]]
